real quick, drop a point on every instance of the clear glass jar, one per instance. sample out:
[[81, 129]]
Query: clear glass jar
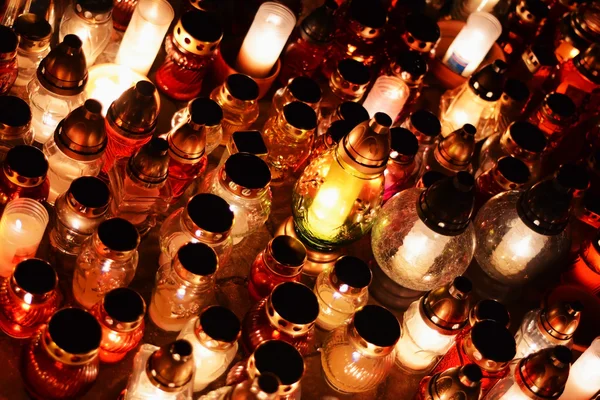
[[121, 317], [341, 291], [402, 168], [15, 124], [458, 382], [213, 336], [34, 44], [243, 182], [91, 21], [357, 357], [61, 360], [8, 59], [348, 82], [349, 111], [183, 287], [302, 89], [245, 142], [108, 260], [206, 218], [584, 377], [453, 153], [162, 372], [211, 115], [584, 268], [509, 173], [76, 147], [426, 126]]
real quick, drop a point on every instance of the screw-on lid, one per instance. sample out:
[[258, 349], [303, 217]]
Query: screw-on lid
[[422, 32], [559, 107], [150, 164], [514, 171], [429, 178], [300, 115], [493, 341], [34, 32], [281, 359], [560, 321], [205, 111], [377, 326], [15, 117], [210, 213], [352, 271], [89, 195], [404, 144], [125, 306], [8, 43], [488, 82], [425, 123], [94, 10], [118, 234], [490, 309], [339, 129], [446, 309], [35, 276], [247, 171], [82, 134], [64, 70], [456, 383], [250, 142], [295, 303], [305, 89], [354, 71], [527, 136], [220, 324], [172, 366], [27, 162], [135, 112], [242, 87], [319, 26], [75, 331], [288, 251], [198, 32], [198, 258], [545, 372], [352, 112], [410, 66], [516, 90]]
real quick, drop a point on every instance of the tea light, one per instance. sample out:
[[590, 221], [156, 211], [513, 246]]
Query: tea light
[[388, 95], [145, 34], [265, 40], [21, 229], [107, 82], [584, 378]]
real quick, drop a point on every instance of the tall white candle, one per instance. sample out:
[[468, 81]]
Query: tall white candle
[[145, 34], [270, 30], [584, 376], [388, 95]]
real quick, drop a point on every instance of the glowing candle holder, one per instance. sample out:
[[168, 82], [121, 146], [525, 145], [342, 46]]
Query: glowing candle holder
[[21, 229], [15, 124], [584, 378], [388, 95], [263, 387], [462, 9], [463, 382], [144, 35], [210, 114]]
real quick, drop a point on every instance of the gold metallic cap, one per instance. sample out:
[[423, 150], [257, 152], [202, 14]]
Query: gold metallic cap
[[456, 383], [245, 175], [490, 345], [285, 255], [544, 374], [425, 125], [64, 70], [9, 42], [195, 262], [411, 67], [560, 321], [72, 336], [187, 144], [135, 112], [350, 275], [172, 366], [217, 328], [523, 140], [25, 166], [377, 329], [456, 150], [94, 11], [281, 359], [34, 32], [248, 142], [150, 164], [300, 116], [15, 117], [118, 235], [446, 309], [125, 309], [489, 309], [36, 278], [198, 32], [88, 196], [559, 109], [368, 19], [510, 173], [81, 135], [532, 11], [292, 308], [208, 218], [350, 79], [422, 33]]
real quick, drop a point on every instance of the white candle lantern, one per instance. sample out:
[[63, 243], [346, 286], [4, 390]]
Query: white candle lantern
[[472, 43], [388, 95], [21, 229], [584, 378], [144, 35], [265, 40]]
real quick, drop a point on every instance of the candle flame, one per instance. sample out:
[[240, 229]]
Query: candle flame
[[18, 225], [274, 19], [28, 298]]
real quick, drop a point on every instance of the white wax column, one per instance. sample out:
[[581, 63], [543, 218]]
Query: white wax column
[[472, 43], [270, 30], [584, 376], [388, 95], [145, 34]]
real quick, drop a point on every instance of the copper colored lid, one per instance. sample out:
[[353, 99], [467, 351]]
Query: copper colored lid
[[446, 309], [462, 383], [544, 373], [295, 303], [367, 18], [220, 324], [198, 32], [489, 309], [559, 107], [75, 332], [15, 117], [287, 251], [456, 150], [64, 70], [422, 32], [242, 87], [205, 111], [247, 171], [305, 89], [354, 72], [529, 138], [94, 11], [249, 142], [135, 112], [404, 145], [118, 234], [26, 162], [34, 32], [561, 320], [150, 164], [35, 276], [210, 213], [9, 42], [429, 178], [511, 173], [493, 341], [352, 272], [411, 67], [125, 307], [89, 196], [82, 134], [532, 11], [377, 326], [195, 261], [352, 112], [279, 358], [172, 366], [300, 116]]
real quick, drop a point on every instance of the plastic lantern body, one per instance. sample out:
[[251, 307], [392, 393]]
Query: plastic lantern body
[[388, 95], [91, 21], [9, 69], [34, 44], [341, 207], [584, 378], [402, 168], [209, 114], [15, 124], [462, 382], [453, 153], [422, 239]]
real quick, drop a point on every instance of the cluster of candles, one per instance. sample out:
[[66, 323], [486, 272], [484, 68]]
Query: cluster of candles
[[504, 175]]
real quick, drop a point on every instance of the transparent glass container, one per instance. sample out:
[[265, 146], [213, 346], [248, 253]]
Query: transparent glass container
[[359, 356], [108, 260], [15, 124], [184, 286], [302, 89], [34, 44], [213, 336], [245, 142], [210, 113], [402, 168], [349, 111], [453, 153], [458, 382], [584, 377], [349, 82]]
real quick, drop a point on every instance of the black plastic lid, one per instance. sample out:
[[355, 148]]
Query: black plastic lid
[[203, 26], [249, 142], [14, 112], [90, 192], [220, 324], [300, 115], [198, 258], [447, 205], [377, 326], [528, 136], [27, 161], [472, 372], [426, 123], [210, 213], [404, 142], [204, 111], [368, 13], [35, 276], [305, 89], [422, 27], [124, 305], [268, 383], [431, 177], [242, 87], [8, 40], [354, 71], [75, 331], [288, 250], [295, 303], [118, 234], [352, 271], [492, 310], [319, 25], [514, 170], [493, 341], [561, 105], [248, 170], [516, 90], [488, 82], [96, 6], [412, 62], [353, 112], [279, 358], [338, 129]]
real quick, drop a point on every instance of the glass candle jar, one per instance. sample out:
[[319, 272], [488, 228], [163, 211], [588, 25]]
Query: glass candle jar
[[76, 147], [288, 314], [79, 211], [141, 191], [489, 345], [289, 137], [584, 377], [554, 117], [122, 13], [281, 261], [357, 357], [522, 26], [8, 59], [411, 67], [402, 169], [22, 227], [238, 97], [340, 208], [453, 153], [121, 316], [61, 360], [341, 291], [509, 173], [162, 372], [183, 287], [458, 382], [58, 87], [91, 21], [24, 174], [349, 111], [546, 327], [327, 141], [388, 95], [263, 387], [243, 182], [130, 122], [427, 128], [206, 218], [411, 30], [584, 268], [348, 82], [190, 52], [209, 113], [486, 309], [536, 68], [108, 260], [302, 89], [541, 375], [576, 30], [431, 324], [34, 44], [15, 124], [28, 298], [245, 142], [213, 336]]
